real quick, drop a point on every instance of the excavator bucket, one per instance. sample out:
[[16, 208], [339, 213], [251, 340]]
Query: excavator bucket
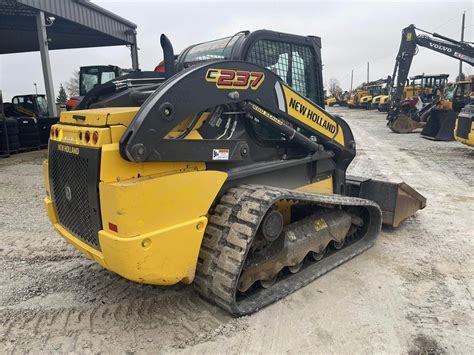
[[404, 124], [398, 201], [440, 126]]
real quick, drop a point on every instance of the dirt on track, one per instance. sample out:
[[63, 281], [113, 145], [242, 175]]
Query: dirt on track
[[411, 293]]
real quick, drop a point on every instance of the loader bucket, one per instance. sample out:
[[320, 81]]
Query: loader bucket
[[404, 124], [398, 201], [440, 126]]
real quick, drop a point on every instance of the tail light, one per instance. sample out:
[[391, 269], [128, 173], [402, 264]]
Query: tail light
[[95, 137], [87, 136]]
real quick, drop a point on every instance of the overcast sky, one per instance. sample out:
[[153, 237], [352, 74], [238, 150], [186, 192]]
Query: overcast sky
[[352, 33]]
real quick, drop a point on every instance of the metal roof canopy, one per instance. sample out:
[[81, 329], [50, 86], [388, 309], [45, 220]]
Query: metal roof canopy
[[32, 25]]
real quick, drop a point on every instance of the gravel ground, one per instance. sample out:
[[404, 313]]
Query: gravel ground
[[411, 293]]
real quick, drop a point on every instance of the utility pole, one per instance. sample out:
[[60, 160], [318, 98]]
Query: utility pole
[[367, 72], [352, 78], [462, 39]]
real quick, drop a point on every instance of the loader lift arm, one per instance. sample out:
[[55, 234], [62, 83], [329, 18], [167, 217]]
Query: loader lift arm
[[408, 49], [264, 98]]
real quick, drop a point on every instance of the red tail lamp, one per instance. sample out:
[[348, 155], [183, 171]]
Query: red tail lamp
[[87, 136], [95, 137]]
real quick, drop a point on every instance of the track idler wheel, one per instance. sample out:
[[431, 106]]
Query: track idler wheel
[[268, 283], [338, 245], [318, 256], [272, 225], [295, 268]]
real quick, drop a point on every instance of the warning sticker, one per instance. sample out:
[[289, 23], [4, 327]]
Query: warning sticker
[[220, 154], [320, 224]]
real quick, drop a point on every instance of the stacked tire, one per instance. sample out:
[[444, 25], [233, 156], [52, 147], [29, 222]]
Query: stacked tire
[[11, 135], [28, 132], [44, 128]]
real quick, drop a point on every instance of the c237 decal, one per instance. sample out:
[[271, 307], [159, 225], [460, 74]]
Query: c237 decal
[[235, 79]]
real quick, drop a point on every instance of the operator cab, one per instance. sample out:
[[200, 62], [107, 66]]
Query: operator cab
[[27, 105], [92, 76], [460, 94], [295, 59], [429, 87]]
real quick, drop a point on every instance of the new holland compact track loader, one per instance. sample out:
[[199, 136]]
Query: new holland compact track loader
[[227, 173]]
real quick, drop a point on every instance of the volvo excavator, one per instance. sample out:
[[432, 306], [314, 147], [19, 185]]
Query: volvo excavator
[[227, 173], [400, 122]]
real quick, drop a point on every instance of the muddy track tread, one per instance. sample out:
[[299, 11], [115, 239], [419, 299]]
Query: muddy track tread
[[230, 232]]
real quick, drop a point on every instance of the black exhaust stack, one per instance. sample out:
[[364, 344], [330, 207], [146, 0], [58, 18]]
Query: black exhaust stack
[[168, 56]]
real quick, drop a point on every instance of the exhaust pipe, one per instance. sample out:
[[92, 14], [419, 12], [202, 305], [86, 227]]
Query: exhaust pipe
[[168, 56]]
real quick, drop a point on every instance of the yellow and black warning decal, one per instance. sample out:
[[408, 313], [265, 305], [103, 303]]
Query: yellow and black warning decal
[[235, 79], [301, 109]]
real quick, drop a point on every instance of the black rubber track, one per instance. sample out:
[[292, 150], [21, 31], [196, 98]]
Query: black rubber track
[[29, 136], [11, 122], [13, 138], [229, 235], [13, 147], [30, 144], [10, 130], [28, 129]]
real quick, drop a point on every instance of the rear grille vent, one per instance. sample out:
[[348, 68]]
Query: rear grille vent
[[74, 184]]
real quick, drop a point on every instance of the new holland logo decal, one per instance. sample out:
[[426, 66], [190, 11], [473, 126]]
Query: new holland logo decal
[[235, 79], [68, 149]]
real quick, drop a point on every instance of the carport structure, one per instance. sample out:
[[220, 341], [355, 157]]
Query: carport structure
[[32, 25]]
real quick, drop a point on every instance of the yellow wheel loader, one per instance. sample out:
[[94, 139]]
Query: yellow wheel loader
[[226, 173], [463, 95], [375, 89], [441, 124]]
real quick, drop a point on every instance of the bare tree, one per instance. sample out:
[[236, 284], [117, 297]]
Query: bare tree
[[334, 87], [72, 85]]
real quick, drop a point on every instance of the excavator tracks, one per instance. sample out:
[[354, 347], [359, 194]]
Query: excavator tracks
[[233, 227]]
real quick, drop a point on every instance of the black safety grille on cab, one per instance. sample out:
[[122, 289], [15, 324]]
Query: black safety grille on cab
[[74, 186], [296, 64], [464, 127]]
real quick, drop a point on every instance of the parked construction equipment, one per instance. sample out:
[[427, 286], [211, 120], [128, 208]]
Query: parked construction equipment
[[374, 89], [442, 120], [397, 120], [33, 124], [228, 173], [92, 76]]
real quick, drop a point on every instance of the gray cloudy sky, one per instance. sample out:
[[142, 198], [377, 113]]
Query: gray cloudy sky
[[352, 33]]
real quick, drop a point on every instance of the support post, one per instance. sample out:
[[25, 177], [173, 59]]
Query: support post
[[352, 78], [134, 52], [45, 62], [367, 72], [462, 40]]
